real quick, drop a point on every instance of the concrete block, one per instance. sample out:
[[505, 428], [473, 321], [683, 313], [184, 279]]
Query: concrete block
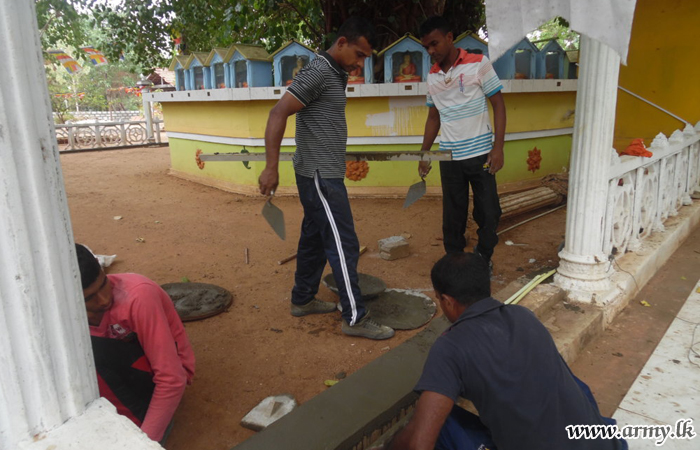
[[268, 411], [393, 247]]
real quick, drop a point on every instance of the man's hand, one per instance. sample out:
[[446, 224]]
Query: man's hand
[[268, 181], [423, 429], [495, 160], [424, 168]]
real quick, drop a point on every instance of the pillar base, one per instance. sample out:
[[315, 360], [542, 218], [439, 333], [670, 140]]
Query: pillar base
[[98, 427], [585, 278]]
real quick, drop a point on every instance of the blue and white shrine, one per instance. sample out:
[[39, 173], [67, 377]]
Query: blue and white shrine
[[472, 43], [199, 71], [181, 75], [518, 63], [551, 61], [289, 59], [405, 61], [249, 66], [218, 69]]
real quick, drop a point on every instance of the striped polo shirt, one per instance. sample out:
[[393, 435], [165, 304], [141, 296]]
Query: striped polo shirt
[[322, 132], [460, 97]]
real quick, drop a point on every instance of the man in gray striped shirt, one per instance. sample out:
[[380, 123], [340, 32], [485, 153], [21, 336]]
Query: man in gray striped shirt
[[317, 97]]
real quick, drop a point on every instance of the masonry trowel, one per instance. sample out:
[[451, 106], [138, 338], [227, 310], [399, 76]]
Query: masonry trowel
[[415, 191], [274, 216]]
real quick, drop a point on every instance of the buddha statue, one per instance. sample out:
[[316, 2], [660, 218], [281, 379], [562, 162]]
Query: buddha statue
[[295, 71], [407, 71], [356, 76]]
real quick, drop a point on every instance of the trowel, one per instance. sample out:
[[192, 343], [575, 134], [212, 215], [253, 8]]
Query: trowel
[[274, 216], [415, 191]]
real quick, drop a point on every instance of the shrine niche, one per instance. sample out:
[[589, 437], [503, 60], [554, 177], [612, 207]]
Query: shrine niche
[[405, 61], [218, 69], [288, 60], [472, 43], [199, 71], [181, 74], [518, 63], [249, 66], [551, 61], [363, 74]]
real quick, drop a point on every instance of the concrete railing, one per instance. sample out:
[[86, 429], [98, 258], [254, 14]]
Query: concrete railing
[[105, 115], [644, 192], [98, 135]]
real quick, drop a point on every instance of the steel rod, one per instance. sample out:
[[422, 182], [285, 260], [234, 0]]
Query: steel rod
[[350, 156]]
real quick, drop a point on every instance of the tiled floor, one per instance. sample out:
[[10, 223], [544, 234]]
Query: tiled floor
[[668, 388]]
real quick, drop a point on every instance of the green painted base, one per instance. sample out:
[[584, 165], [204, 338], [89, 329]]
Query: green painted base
[[555, 153]]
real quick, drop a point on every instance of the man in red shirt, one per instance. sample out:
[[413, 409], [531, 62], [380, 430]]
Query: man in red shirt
[[143, 358]]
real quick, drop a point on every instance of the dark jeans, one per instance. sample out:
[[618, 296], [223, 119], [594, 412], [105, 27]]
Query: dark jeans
[[457, 176], [464, 431], [327, 234]]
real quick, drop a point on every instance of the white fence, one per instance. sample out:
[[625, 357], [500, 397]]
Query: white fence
[[99, 135], [112, 116], [644, 192]]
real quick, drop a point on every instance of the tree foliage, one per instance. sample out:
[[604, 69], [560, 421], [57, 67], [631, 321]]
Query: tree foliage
[[147, 29], [558, 29]]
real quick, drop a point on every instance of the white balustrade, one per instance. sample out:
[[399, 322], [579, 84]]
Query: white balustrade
[[644, 192], [87, 136]]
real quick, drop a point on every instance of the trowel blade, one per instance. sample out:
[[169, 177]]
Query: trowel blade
[[415, 192], [275, 217]]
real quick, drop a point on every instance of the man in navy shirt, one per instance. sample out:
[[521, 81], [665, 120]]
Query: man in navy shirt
[[502, 359]]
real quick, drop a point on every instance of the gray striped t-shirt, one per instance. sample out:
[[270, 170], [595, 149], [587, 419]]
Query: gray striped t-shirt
[[322, 132]]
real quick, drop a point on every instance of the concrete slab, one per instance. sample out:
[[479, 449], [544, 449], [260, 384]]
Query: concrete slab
[[667, 389], [269, 411], [629, 418]]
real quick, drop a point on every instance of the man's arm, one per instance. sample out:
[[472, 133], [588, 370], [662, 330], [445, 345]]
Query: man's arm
[[495, 159], [274, 131], [153, 330], [423, 429], [432, 126]]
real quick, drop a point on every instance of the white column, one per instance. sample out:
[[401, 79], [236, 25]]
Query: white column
[[46, 368], [584, 267]]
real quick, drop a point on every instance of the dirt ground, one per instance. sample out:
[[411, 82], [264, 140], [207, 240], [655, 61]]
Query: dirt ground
[[257, 348]]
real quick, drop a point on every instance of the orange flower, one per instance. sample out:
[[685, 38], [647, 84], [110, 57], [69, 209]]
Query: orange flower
[[198, 160], [356, 170]]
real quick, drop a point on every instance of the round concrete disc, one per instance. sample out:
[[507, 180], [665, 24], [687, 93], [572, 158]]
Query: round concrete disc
[[370, 286], [402, 309], [194, 301]]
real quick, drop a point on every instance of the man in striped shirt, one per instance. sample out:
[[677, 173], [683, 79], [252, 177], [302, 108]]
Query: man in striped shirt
[[458, 85], [317, 97]]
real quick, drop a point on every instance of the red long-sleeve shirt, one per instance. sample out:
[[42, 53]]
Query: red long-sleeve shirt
[[143, 309]]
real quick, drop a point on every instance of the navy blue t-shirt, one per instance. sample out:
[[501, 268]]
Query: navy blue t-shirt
[[504, 360]]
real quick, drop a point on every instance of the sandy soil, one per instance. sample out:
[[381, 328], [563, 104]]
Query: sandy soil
[[257, 348]]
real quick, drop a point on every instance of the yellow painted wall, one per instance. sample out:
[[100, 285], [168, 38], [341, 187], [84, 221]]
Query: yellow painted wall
[[367, 116], [663, 67]]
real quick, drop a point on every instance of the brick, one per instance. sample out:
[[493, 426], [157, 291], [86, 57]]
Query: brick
[[393, 247]]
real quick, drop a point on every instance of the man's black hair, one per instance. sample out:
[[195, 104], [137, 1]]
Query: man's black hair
[[435, 23], [89, 266], [356, 27], [464, 276]]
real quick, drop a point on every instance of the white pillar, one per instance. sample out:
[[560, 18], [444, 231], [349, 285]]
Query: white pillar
[[47, 373], [584, 268]]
